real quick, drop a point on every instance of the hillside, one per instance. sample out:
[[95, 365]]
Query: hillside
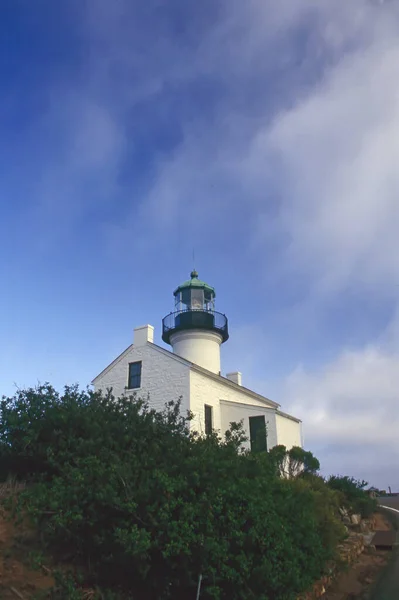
[[21, 574], [137, 505]]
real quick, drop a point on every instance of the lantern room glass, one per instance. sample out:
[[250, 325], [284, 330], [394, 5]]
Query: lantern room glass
[[209, 301], [195, 299]]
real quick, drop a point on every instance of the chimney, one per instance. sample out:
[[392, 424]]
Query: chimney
[[143, 334], [235, 377]]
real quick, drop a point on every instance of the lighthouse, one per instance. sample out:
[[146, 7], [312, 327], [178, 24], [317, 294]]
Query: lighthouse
[[190, 372], [195, 330]]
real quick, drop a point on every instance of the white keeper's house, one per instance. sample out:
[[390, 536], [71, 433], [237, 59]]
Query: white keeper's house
[[192, 371]]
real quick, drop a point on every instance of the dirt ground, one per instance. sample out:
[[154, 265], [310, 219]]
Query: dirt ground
[[357, 582], [20, 577]]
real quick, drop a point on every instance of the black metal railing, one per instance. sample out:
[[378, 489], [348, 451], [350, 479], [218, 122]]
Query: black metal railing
[[194, 319]]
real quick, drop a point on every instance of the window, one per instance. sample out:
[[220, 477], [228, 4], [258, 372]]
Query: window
[[208, 419], [197, 299], [134, 380], [257, 432]]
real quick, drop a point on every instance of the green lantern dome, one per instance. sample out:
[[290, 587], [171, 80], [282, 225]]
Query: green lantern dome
[[194, 282]]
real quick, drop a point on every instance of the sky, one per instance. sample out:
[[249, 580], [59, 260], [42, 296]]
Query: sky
[[263, 136]]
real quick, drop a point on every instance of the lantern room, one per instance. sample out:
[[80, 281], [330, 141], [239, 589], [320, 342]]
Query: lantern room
[[195, 329], [194, 294]]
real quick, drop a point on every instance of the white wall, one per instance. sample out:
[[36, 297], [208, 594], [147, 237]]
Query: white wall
[[199, 347], [289, 432], [163, 377], [233, 412], [206, 390]]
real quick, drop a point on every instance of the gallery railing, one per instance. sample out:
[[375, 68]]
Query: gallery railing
[[194, 319]]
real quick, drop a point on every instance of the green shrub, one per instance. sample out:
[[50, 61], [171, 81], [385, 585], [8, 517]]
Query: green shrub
[[326, 508], [353, 494], [149, 506], [295, 462]]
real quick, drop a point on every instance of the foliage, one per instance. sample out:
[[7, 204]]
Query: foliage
[[294, 462], [68, 586], [146, 506], [326, 508], [353, 494], [65, 588]]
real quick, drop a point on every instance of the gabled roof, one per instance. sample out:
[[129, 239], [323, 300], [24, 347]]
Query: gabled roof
[[123, 354], [194, 367], [218, 378], [114, 362], [236, 386]]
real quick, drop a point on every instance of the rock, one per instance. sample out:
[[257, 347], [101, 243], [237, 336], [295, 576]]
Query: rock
[[364, 528], [346, 520], [356, 519], [347, 551]]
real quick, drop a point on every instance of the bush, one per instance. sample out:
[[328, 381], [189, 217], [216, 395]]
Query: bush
[[295, 462], [150, 506], [326, 508], [353, 494]]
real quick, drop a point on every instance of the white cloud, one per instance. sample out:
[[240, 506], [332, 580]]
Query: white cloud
[[351, 404], [338, 152], [329, 156]]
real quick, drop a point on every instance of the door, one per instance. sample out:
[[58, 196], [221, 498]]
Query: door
[[258, 434]]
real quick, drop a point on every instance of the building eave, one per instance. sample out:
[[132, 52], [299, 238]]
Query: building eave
[[151, 345], [245, 405], [235, 386], [218, 378], [287, 416], [114, 362], [170, 354]]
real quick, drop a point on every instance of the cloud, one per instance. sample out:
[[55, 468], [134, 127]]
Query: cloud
[[350, 407], [339, 154], [278, 141], [307, 157], [331, 161]]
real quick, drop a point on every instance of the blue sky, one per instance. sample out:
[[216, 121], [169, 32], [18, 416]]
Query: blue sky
[[262, 134]]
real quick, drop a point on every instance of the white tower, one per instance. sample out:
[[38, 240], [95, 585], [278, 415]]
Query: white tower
[[195, 330]]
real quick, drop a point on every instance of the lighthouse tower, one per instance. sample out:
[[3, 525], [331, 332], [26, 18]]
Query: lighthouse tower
[[195, 330]]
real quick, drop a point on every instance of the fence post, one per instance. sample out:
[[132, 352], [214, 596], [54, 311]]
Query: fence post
[[199, 586]]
